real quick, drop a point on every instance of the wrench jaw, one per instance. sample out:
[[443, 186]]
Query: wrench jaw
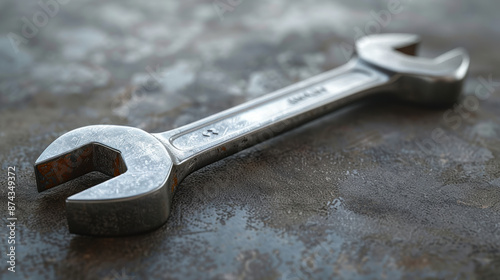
[[436, 90], [136, 199], [432, 82]]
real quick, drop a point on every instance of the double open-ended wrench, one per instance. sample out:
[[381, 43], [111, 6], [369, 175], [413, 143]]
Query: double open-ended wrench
[[147, 168]]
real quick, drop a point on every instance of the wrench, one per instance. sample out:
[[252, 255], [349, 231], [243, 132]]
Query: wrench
[[147, 168]]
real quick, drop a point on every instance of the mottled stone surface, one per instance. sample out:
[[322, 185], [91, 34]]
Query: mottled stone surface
[[376, 190]]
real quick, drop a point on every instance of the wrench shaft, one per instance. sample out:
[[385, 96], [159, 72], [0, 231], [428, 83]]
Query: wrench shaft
[[205, 141]]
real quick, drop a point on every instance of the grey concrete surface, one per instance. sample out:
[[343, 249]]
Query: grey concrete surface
[[378, 190]]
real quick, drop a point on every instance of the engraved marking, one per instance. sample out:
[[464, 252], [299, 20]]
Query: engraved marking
[[306, 94], [211, 131]]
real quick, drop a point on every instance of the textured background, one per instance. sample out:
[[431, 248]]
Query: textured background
[[376, 190]]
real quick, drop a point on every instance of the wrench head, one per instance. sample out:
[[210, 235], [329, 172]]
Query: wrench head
[[435, 81], [135, 200]]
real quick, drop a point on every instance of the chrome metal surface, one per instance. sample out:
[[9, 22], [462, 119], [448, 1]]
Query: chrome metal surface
[[153, 165]]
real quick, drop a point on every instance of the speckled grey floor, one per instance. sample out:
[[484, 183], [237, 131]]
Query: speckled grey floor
[[376, 190]]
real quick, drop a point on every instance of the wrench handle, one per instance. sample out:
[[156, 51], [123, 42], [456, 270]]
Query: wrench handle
[[210, 139]]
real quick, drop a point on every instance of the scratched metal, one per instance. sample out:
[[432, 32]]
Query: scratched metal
[[361, 193], [130, 202]]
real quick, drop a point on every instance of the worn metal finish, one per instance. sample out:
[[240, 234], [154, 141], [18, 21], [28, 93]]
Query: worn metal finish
[[362, 193], [140, 199], [134, 201]]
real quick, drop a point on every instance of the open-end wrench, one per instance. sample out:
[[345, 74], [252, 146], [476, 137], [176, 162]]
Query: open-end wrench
[[147, 168]]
